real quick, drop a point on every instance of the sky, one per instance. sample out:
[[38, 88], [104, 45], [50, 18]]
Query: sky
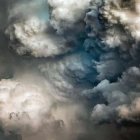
[[69, 70]]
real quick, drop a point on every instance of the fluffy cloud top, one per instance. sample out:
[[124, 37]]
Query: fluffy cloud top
[[30, 36], [66, 13]]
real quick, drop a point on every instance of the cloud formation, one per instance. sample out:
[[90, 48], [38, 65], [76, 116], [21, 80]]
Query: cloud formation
[[21, 105], [69, 69]]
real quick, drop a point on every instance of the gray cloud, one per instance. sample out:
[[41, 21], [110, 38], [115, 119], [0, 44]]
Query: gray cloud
[[69, 70]]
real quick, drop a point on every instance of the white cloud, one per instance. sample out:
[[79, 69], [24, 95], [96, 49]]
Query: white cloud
[[22, 107], [31, 36], [67, 12]]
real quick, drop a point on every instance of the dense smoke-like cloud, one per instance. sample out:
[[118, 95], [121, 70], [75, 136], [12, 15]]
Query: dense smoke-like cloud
[[116, 23], [38, 33], [30, 36], [21, 105], [30, 111], [127, 13], [69, 69], [66, 13], [68, 74], [118, 26], [119, 95]]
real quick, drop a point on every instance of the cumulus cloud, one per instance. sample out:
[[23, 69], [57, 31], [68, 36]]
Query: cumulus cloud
[[21, 106], [116, 23], [122, 12], [122, 98], [30, 36], [68, 73], [66, 13], [31, 31], [31, 112], [130, 112], [82, 75]]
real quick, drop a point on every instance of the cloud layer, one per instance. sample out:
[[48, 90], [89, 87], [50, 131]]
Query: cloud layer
[[69, 69]]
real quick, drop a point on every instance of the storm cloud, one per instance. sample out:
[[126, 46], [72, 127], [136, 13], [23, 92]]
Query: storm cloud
[[69, 69]]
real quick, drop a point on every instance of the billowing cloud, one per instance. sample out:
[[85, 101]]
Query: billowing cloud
[[71, 69], [68, 73], [66, 13], [30, 36], [122, 98], [29, 33], [21, 105], [116, 23]]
